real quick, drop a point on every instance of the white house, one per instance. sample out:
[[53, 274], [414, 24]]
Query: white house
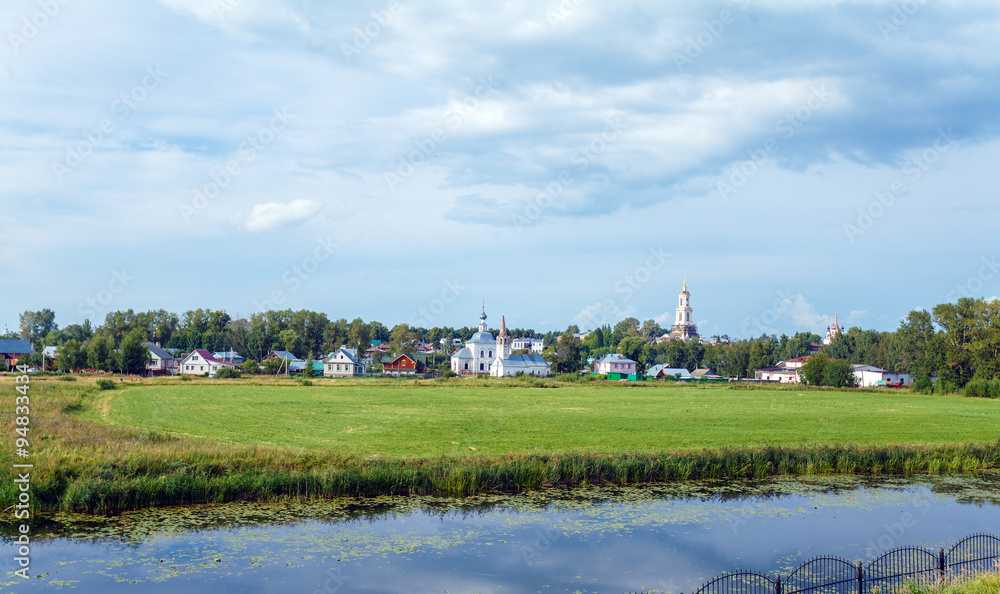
[[783, 375], [200, 362], [527, 344], [161, 362], [869, 375], [343, 362]]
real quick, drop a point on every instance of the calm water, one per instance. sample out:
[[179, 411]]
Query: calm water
[[664, 538]]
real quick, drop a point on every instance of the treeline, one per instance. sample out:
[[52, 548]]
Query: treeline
[[307, 334], [738, 358], [957, 342]]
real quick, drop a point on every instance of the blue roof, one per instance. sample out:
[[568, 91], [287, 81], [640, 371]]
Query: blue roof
[[16, 346], [286, 355], [482, 337], [614, 358]]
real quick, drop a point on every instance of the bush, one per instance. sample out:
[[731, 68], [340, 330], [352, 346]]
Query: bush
[[449, 373], [185, 378], [227, 373], [923, 385], [251, 366], [106, 384], [67, 378], [982, 388], [305, 382], [568, 377]]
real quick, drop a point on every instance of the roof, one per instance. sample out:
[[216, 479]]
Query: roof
[[207, 356], [532, 360], [158, 352], [16, 346], [482, 338], [285, 355], [351, 354], [50, 351], [614, 358], [701, 371], [656, 370], [416, 357], [463, 353], [790, 370], [226, 355]]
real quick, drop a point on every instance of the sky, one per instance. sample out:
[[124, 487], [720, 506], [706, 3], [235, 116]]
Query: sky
[[565, 162]]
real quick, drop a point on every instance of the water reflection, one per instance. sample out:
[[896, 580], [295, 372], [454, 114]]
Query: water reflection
[[650, 538]]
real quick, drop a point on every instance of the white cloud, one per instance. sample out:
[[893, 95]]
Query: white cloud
[[805, 316], [270, 215], [601, 313]]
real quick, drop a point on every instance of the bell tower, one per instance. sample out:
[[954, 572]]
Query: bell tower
[[683, 328]]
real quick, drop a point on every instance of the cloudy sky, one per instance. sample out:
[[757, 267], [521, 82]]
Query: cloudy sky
[[567, 162]]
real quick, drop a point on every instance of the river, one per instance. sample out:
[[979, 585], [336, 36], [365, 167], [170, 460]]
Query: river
[[658, 538]]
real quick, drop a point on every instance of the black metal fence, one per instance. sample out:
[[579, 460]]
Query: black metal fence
[[887, 573]]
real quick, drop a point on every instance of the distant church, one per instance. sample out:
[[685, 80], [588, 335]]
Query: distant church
[[482, 354], [832, 332], [684, 328]]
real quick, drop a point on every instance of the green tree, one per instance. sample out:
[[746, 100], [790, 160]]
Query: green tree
[[100, 353], [250, 366], [308, 371], [838, 373], [36, 324], [566, 354], [984, 340], [133, 356], [71, 356], [814, 369], [631, 347], [271, 366], [291, 341]]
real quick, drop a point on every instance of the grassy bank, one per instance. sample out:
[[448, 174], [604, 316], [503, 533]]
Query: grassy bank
[[168, 442], [983, 583]]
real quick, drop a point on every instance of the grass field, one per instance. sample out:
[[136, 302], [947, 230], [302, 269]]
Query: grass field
[[169, 442], [423, 419]]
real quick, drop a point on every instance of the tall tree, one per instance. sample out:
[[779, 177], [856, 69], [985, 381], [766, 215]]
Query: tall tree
[[133, 356], [70, 356], [36, 324]]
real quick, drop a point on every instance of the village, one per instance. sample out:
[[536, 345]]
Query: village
[[482, 355]]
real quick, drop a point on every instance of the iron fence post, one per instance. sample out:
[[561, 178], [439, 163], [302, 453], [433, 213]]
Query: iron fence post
[[942, 567], [861, 578], [777, 585]]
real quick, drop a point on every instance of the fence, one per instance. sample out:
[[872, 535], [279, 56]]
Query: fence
[[833, 575]]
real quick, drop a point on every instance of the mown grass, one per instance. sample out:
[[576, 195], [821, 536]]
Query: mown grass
[[168, 443]]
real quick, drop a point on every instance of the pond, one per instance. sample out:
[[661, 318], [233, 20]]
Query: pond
[[662, 538]]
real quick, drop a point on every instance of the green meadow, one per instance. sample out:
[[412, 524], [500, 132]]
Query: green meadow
[[428, 419], [168, 442]]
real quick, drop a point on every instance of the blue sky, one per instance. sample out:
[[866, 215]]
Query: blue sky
[[566, 162]]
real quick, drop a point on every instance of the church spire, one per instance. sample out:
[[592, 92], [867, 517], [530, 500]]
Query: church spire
[[685, 287], [503, 341]]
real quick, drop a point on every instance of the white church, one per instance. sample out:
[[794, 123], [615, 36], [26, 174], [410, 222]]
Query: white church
[[483, 355]]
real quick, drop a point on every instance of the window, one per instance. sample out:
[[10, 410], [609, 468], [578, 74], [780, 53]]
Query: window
[[194, 358], [482, 353], [491, 353], [480, 367]]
